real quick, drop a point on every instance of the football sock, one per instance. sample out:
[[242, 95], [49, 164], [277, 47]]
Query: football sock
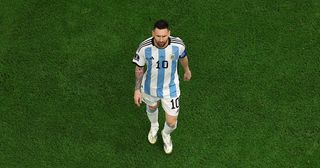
[[167, 129], [153, 117]]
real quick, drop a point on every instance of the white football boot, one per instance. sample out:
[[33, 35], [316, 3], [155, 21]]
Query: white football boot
[[167, 143], [152, 136]]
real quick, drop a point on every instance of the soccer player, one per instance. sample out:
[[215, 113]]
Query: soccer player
[[160, 82]]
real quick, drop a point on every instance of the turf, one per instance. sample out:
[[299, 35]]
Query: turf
[[66, 84]]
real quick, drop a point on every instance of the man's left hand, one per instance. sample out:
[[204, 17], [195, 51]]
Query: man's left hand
[[187, 75]]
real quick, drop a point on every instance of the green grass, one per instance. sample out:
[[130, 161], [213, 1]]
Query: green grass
[[66, 84]]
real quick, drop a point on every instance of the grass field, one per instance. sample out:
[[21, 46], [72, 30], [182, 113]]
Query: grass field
[[66, 84]]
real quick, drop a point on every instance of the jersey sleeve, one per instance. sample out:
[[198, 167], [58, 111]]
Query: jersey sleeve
[[183, 53], [139, 58], [182, 50]]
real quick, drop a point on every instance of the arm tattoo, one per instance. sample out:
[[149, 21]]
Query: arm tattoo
[[139, 75]]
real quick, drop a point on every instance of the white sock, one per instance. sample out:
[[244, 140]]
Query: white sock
[[153, 117], [167, 129]]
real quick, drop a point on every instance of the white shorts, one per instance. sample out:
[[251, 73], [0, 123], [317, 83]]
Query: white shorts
[[169, 105]]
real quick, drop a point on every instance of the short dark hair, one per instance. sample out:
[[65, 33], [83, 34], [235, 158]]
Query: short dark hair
[[161, 24]]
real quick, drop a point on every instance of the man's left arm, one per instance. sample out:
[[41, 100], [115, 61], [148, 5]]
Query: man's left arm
[[185, 64]]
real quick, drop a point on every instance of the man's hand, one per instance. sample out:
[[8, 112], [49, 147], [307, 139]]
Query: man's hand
[[187, 75], [185, 64], [137, 97]]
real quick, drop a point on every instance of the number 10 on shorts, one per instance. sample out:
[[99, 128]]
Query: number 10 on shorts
[[175, 103]]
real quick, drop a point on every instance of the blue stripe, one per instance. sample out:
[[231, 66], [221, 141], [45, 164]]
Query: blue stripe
[[162, 56], [147, 82], [184, 53], [172, 84]]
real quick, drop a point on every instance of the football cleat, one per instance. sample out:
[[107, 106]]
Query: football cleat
[[167, 143], [152, 136]]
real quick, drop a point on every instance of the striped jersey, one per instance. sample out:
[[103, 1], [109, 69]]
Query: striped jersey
[[161, 77]]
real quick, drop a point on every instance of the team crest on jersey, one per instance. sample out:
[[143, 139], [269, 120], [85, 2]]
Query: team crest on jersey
[[172, 56]]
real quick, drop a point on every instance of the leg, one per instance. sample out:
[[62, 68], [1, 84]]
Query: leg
[[169, 126], [171, 122], [152, 108], [171, 107], [152, 113]]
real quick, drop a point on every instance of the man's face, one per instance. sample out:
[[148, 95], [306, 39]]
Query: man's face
[[161, 37]]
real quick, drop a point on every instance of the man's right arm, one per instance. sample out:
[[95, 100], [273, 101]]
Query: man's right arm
[[139, 75], [137, 93]]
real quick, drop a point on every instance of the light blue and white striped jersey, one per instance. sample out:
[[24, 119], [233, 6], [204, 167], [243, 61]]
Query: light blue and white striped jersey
[[161, 77]]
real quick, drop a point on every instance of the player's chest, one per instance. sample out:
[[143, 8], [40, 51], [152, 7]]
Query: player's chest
[[156, 55]]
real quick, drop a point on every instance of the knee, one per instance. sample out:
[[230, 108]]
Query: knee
[[151, 109], [172, 124]]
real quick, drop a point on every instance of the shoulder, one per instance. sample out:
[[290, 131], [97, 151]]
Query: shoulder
[[177, 41], [145, 43]]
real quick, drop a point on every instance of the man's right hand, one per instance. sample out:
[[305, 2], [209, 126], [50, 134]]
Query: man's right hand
[[137, 97]]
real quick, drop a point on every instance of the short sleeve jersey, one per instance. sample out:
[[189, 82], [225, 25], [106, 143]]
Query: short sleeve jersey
[[161, 77]]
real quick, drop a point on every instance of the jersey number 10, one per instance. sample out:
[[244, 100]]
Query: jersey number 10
[[175, 103], [164, 64]]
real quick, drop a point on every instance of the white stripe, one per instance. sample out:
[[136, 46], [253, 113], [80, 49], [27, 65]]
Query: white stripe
[[154, 77], [167, 76]]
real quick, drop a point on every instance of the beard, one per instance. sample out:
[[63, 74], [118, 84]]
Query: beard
[[161, 44]]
